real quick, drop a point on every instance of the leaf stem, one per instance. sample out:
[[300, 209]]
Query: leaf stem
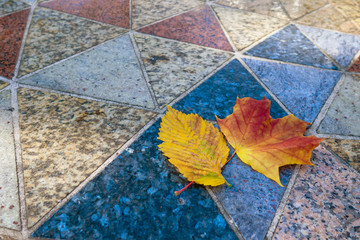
[[230, 157], [177, 193]]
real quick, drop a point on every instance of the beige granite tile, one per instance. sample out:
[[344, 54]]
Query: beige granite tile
[[3, 237], [348, 7], [348, 150], [244, 27], [145, 12], [173, 67], [267, 7], [9, 200], [330, 18], [54, 36], [64, 139], [298, 8], [3, 84]]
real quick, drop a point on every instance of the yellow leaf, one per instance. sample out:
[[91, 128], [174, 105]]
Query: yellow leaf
[[194, 146]]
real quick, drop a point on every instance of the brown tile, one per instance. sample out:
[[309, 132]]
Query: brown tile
[[355, 67]]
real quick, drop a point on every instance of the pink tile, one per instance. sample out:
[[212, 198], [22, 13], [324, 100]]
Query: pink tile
[[197, 26], [324, 203], [115, 12]]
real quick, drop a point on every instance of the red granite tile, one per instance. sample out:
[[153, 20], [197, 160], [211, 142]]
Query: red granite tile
[[356, 66], [115, 12], [12, 29], [198, 26]]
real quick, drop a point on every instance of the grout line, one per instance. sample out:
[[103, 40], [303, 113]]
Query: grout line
[[282, 204], [143, 70], [8, 87], [313, 11], [284, 9], [4, 79], [15, 11], [10, 232], [130, 15], [337, 136], [225, 214], [19, 164], [26, 32], [86, 97], [113, 157]]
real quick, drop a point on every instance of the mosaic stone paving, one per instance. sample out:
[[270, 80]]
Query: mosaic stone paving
[[82, 87]]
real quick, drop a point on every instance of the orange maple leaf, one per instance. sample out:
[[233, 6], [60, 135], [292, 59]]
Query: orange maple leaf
[[194, 146], [265, 143]]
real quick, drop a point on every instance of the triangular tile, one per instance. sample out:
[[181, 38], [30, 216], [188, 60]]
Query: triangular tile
[[298, 8], [303, 90], [348, 150], [12, 31], [341, 47], [109, 71], [3, 84], [244, 27], [197, 26], [9, 6], [290, 45], [145, 12], [266, 7], [9, 200], [115, 12], [329, 18], [343, 116], [133, 198], [65, 141], [174, 67], [355, 67], [324, 202], [54, 36]]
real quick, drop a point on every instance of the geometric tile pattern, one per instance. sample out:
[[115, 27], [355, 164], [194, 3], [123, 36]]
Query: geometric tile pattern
[[296, 8], [290, 45], [173, 67], [54, 36], [107, 11], [343, 116], [348, 150], [341, 47], [12, 30], [198, 26], [325, 201], [65, 141], [287, 81], [146, 12], [244, 27], [84, 74], [9, 202], [8, 6]]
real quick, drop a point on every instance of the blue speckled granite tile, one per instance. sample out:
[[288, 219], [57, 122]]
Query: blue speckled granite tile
[[341, 47], [303, 90], [290, 45], [217, 95], [133, 198]]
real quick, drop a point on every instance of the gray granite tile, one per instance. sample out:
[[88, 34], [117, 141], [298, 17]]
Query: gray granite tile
[[54, 36], [343, 116], [110, 71], [8, 6], [9, 200]]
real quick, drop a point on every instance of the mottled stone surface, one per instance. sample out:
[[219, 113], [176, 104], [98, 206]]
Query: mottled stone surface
[[9, 201], [298, 8], [348, 150], [341, 47], [3, 237], [64, 139], [290, 45], [8, 6], [145, 12], [266, 7], [303, 90], [343, 116], [355, 67], [324, 203], [217, 95], [12, 30], [330, 18], [174, 67], [3, 84], [54, 36], [198, 26], [115, 12], [350, 9], [133, 198], [110, 71], [244, 27]]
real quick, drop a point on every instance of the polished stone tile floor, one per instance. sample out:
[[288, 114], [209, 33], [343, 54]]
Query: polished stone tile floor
[[84, 83]]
